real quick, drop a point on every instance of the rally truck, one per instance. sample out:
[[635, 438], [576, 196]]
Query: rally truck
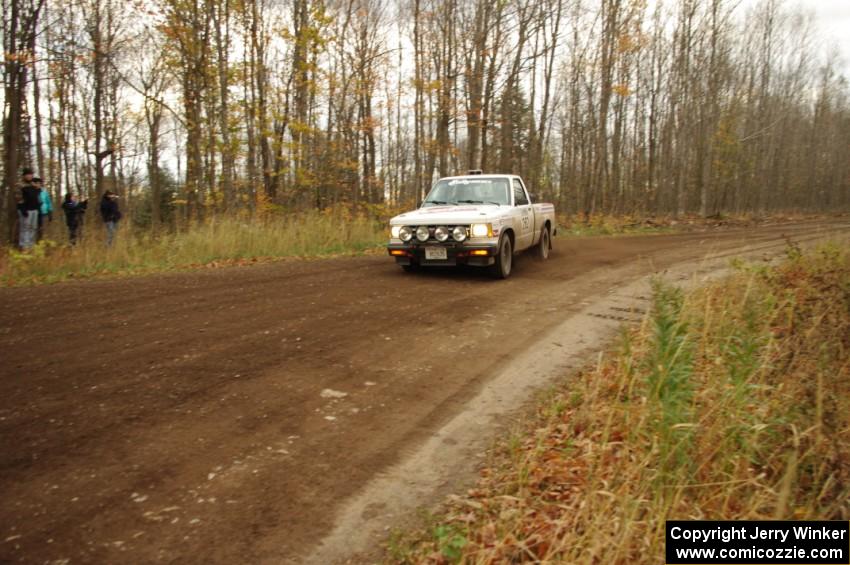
[[474, 219]]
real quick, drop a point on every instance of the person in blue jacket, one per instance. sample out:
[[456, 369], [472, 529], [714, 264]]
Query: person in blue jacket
[[45, 210]]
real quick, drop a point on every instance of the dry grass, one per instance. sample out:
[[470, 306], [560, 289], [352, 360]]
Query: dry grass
[[578, 225], [218, 241], [731, 402]]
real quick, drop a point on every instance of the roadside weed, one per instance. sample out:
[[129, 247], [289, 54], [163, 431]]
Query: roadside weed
[[450, 541]]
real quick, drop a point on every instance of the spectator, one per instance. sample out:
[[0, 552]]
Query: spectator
[[74, 212], [45, 210], [28, 210], [111, 214]]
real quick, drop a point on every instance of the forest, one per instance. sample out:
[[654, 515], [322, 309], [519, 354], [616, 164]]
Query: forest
[[190, 109]]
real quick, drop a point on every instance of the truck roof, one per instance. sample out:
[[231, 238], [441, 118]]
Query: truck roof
[[475, 176]]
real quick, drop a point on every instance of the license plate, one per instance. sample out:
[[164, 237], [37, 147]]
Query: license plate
[[436, 254]]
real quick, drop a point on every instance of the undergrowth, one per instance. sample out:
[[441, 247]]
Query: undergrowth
[[217, 241], [728, 402]]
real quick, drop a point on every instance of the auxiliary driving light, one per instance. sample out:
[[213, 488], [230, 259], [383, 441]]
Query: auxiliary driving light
[[459, 233], [441, 233], [423, 233], [405, 233]]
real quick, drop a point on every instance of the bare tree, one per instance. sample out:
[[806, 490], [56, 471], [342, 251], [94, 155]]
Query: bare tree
[[20, 25]]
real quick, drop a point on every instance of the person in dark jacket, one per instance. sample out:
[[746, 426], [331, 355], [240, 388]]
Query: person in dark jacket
[[27, 172], [111, 214], [74, 214], [29, 205]]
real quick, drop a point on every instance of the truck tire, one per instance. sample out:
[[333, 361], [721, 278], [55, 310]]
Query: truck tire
[[411, 268], [501, 269], [544, 245]]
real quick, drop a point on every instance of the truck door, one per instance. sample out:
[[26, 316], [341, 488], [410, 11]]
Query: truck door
[[525, 237]]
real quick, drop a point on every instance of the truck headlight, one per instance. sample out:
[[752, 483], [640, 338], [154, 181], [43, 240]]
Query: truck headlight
[[441, 233], [405, 233], [481, 230], [459, 233], [394, 232], [423, 233]]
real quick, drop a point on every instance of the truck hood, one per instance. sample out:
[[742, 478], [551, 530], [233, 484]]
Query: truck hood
[[450, 215]]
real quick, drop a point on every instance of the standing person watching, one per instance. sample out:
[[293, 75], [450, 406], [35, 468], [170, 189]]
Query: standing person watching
[[30, 204], [45, 209], [111, 214], [74, 211]]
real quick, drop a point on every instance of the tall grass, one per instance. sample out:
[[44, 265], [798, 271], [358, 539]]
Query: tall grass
[[309, 234], [730, 402]]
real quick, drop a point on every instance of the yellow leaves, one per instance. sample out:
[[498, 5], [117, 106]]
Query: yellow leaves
[[171, 31], [300, 127], [21, 57], [312, 36], [427, 85], [351, 165], [621, 89], [369, 124], [322, 17], [630, 42]]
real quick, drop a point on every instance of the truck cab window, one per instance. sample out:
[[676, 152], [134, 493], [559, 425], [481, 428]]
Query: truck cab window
[[520, 199]]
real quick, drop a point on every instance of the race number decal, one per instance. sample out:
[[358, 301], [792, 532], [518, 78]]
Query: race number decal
[[526, 222]]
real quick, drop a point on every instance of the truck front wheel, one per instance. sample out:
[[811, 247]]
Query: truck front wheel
[[501, 269]]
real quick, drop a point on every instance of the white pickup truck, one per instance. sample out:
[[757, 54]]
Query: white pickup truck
[[475, 219]]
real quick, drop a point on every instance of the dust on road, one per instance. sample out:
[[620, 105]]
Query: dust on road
[[225, 415]]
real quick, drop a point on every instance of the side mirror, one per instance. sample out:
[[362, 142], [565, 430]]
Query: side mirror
[[419, 203], [533, 197]]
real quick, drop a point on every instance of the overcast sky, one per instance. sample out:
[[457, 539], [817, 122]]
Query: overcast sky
[[833, 19]]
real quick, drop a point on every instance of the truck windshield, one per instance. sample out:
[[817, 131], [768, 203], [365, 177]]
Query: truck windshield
[[469, 191]]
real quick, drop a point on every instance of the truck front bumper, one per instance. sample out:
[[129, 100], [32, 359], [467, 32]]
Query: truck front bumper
[[479, 254]]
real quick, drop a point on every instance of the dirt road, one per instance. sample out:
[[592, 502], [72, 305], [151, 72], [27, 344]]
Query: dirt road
[[225, 415]]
